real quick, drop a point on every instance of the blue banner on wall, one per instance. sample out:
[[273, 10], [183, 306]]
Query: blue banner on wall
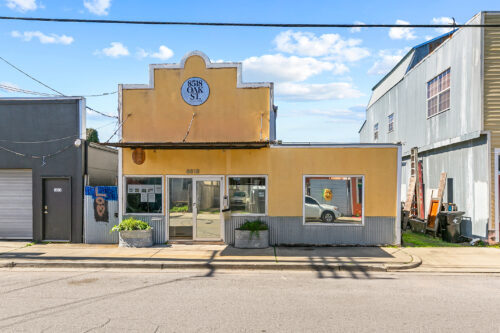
[[110, 193]]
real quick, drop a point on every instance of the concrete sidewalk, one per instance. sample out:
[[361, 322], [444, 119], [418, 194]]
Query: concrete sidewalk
[[457, 259], [18, 254]]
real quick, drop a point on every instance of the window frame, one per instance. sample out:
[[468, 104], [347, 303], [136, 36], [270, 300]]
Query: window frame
[[375, 132], [390, 122], [124, 194], [248, 176], [438, 94], [304, 223]]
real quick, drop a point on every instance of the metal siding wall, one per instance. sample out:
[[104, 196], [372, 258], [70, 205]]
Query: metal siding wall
[[156, 222], [291, 231], [98, 232], [466, 164], [16, 204], [407, 99]]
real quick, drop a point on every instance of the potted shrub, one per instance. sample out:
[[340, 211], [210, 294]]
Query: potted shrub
[[252, 235], [134, 233]]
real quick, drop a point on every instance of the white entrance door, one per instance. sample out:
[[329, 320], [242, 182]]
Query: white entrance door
[[16, 204]]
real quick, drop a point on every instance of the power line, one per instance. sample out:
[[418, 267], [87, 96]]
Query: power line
[[44, 141], [31, 77], [44, 94], [118, 128], [24, 91], [30, 92], [237, 24], [101, 113]]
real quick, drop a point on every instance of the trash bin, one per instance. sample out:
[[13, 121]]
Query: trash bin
[[449, 223]]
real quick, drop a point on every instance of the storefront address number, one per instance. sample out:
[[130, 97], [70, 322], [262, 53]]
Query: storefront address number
[[195, 91]]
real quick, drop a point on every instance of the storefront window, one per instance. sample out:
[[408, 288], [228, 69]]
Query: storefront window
[[144, 195], [247, 195], [333, 199]]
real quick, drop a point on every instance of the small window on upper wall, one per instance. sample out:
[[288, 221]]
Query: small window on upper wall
[[390, 120], [143, 195], [333, 199], [438, 94], [375, 132], [247, 195]]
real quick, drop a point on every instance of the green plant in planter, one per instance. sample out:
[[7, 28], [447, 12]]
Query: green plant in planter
[[254, 227], [131, 224]]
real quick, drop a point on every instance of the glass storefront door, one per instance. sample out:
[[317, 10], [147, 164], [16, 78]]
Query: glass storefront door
[[208, 209], [180, 208], [194, 209]]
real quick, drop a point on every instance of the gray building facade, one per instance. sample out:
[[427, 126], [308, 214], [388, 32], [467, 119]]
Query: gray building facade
[[44, 167]]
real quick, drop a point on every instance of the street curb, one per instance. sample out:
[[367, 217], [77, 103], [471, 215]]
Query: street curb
[[416, 261]]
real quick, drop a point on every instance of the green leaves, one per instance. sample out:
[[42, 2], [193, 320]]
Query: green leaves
[[131, 224]]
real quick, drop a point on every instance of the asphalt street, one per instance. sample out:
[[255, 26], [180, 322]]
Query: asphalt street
[[35, 300]]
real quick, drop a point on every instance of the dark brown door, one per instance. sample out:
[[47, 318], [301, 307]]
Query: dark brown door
[[56, 209]]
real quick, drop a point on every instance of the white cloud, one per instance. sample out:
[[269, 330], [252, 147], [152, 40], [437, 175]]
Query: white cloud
[[22, 5], [386, 60], [356, 29], [355, 113], [402, 33], [316, 91], [442, 20], [116, 50], [43, 38], [277, 67], [331, 45], [98, 7], [163, 53]]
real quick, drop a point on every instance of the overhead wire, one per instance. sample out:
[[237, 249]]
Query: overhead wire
[[242, 24], [54, 90]]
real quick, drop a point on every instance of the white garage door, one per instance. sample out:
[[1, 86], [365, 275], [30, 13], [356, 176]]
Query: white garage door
[[16, 205]]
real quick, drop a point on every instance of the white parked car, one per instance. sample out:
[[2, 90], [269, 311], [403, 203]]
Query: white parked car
[[314, 210]]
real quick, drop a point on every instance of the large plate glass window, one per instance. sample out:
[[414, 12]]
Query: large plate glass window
[[438, 94], [143, 195], [247, 195], [333, 199]]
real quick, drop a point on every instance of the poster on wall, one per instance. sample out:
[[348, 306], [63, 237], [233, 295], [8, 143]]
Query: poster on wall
[[158, 189], [151, 197], [144, 197], [101, 212]]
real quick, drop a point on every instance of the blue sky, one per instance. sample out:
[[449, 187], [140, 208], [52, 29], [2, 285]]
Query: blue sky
[[323, 77]]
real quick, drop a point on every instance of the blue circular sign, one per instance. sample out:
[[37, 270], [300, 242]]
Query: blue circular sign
[[195, 91]]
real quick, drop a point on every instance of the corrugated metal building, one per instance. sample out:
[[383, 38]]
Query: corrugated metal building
[[443, 97]]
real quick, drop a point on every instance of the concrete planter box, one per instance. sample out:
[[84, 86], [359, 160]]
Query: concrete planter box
[[244, 239], [136, 238]]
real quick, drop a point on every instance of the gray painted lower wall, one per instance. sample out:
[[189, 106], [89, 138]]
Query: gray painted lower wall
[[157, 223], [466, 164], [291, 231]]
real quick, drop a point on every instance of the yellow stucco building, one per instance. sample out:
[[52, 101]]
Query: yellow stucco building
[[199, 157]]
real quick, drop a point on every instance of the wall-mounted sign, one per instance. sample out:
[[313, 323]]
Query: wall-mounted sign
[[57, 189], [195, 91]]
